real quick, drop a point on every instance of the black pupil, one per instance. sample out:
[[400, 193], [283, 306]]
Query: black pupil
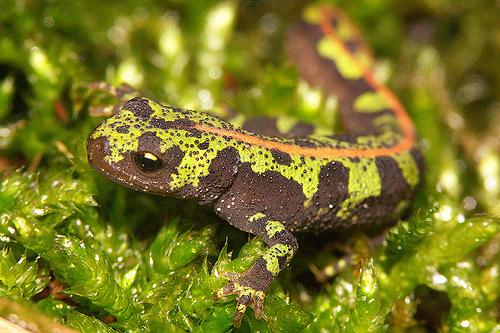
[[147, 162]]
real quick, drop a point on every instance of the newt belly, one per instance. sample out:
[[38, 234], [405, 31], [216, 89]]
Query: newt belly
[[271, 181]]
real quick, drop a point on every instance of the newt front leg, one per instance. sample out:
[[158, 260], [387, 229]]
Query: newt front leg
[[122, 94], [251, 287]]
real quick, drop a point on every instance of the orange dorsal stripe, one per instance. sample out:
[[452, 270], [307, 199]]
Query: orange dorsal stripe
[[404, 120], [396, 106]]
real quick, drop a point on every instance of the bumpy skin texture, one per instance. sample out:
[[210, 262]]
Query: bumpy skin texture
[[271, 177]]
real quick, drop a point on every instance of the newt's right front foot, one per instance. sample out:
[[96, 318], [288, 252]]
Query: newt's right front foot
[[250, 289]]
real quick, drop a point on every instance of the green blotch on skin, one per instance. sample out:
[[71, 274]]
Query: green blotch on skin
[[274, 227], [272, 255], [322, 211], [313, 14], [386, 123], [238, 120], [245, 291], [284, 124], [320, 131], [347, 66], [120, 143], [370, 102], [310, 97], [256, 217], [408, 167], [305, 172], [347, 32], [364, 182], [344, 30], [388, 137], [341, 263]]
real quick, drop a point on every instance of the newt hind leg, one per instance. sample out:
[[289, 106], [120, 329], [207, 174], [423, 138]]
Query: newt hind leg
[[251, 286]]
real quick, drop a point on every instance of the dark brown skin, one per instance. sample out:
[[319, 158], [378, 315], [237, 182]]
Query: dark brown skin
[[270, 183]]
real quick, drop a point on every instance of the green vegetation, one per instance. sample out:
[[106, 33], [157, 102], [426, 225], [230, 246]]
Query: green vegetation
[[97, 257]]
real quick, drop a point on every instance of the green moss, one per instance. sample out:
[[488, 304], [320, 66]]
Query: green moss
[[97, 257]]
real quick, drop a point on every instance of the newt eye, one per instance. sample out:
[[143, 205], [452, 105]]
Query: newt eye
[[147, 162]]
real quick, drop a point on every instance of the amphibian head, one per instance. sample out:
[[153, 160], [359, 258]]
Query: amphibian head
[[158, 149], [140, 146]]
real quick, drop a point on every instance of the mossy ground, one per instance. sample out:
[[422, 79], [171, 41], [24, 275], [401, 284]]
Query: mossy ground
[[100, 258]]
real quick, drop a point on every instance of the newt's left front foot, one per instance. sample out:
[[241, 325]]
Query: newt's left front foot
[[122, 94], [250, 289]]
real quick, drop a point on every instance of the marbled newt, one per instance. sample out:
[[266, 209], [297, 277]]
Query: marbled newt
[[269, 179]]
